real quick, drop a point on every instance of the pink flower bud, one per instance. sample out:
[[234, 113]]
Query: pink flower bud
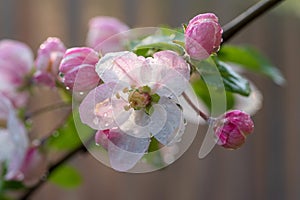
[[48, 60], [34, 165], [78, 65], [16, 62], [203, 36], [49, 55], [234, 127], [100, 29]]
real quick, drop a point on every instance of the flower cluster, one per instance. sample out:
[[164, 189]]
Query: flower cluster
[[131, 96], [136, 102]]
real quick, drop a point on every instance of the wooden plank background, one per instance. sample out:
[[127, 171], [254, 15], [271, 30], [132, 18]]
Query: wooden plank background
[[267, 167]]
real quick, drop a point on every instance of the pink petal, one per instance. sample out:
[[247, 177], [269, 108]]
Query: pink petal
[[96, 108], [19, 54], [172, 60], [104, 34], [121, 66]]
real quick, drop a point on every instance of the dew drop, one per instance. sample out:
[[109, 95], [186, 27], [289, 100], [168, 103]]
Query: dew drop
[[55, 134], [67, 88], [105, 114], [81, 93], [97, 144], [44, 177], [184, 122], [96, 120]]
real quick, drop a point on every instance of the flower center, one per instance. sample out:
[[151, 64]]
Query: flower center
[[141, 98]]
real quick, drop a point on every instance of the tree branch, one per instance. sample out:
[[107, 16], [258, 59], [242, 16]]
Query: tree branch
[[52, 168], [246, 17]]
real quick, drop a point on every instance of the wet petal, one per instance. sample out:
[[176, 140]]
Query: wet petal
[[123, 66], [163, 79], [174, 125], [96, 108], [172, 60], [125, 150]]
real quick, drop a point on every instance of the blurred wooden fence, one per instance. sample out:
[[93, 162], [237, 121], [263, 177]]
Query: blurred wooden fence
[[267, 167]]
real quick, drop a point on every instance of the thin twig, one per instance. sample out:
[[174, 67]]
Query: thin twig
[[246, 17], [189, 101], [52, 168], [45, 109]]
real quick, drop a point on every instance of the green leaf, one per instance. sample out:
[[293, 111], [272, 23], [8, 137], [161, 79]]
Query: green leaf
[[153, 156], [233, 82], [220, 75], [250, 59], [165, 39], [3, 197], [66, 137], [202, 93], [12, 185], [66, 176]]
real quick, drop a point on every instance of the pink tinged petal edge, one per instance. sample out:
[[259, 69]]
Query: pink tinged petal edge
[[50, 54], [100, 95], [203, 36], [78, 67], [76, 56], [102, 34], [174, 126], [125, 150], [167, 73], [172, 60], [44, 78], [17, 53], [121, 66]]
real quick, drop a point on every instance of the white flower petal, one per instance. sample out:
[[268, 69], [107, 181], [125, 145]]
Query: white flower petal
[[96, 108], [174, 126], [120, 66], [125, 150]]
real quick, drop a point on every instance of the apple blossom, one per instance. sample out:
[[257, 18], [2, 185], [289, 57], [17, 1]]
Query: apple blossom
[[16, 62], [137, 101], [33, 165], [100, 29], [13, 140], [78, 65], [203, 36], [48, 60], [233, 127]]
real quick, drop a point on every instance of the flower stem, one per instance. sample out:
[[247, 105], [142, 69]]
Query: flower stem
[[189, 101]]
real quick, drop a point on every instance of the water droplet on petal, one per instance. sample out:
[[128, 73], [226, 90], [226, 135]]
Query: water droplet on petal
[[67, 88], [96, 120], [81, 93], [105, 114]]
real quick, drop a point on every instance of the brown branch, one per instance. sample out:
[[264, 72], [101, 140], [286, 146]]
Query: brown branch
[[52, 168], [238, 23]]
